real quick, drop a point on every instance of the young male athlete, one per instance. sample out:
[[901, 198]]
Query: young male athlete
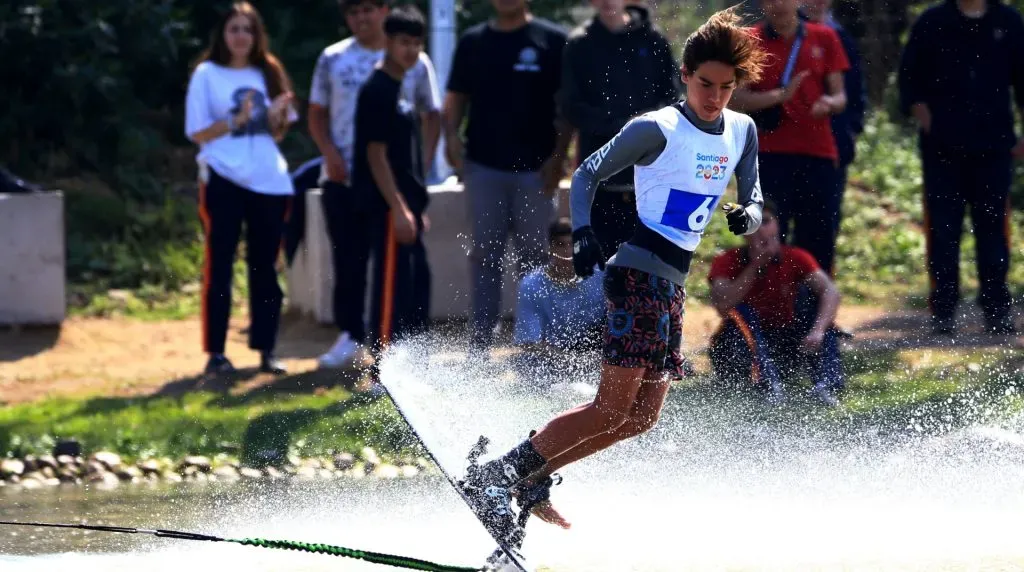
[[683, 157]]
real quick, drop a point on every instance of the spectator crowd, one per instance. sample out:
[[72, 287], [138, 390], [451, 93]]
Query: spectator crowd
[[521, 89]]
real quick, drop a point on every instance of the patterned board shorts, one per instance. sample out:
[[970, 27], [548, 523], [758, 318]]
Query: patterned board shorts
[[644, 327]]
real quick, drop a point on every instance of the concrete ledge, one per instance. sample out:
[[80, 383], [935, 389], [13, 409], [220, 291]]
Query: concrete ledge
[[311, 275], [32, 276]]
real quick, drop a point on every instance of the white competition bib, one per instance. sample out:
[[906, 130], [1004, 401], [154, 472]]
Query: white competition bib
[[677, 193]]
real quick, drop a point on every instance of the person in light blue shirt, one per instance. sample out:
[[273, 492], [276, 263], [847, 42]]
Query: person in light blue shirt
[[555, 310]]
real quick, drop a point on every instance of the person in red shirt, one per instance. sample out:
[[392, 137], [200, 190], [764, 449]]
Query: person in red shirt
[[793, 104], [771, 327]]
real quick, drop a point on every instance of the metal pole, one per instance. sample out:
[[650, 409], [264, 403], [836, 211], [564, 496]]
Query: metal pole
[[442, 49]]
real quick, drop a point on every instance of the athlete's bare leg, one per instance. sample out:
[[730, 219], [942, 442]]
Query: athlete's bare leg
[[610, 409], [643, 416]]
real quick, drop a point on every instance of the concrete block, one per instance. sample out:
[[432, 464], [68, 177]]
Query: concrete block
[[32, 276], [311, 276]]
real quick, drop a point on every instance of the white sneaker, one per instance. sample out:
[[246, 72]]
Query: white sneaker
[[342, 352]]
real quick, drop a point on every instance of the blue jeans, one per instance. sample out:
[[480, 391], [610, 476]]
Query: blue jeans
[[744, 351]]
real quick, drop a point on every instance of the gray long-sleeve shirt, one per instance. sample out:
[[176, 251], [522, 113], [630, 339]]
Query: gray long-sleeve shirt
[[640, 142]]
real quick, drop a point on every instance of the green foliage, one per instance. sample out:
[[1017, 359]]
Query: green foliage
[[151, 251], [100, 86]]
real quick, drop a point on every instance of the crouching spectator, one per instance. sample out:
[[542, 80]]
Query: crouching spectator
[[777, 308], [557, 315]]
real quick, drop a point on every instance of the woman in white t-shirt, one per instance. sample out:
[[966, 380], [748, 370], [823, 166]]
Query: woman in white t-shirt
[[239, 105]]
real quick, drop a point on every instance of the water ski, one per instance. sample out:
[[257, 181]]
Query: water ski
[[505, 558]]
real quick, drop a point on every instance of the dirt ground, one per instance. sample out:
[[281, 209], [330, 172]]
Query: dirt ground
[[124, 357]]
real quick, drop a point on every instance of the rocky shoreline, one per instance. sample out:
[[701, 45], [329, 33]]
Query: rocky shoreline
[[108, 469]]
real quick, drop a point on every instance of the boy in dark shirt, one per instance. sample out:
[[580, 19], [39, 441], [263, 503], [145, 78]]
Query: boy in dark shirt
[[388, 173]]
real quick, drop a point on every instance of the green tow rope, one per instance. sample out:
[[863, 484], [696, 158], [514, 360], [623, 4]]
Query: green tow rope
[[372, 557]]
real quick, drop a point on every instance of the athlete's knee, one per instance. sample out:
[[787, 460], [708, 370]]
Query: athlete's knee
[[638, 424], [610, 420]]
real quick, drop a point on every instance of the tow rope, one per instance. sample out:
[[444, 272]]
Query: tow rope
[[330, 550]]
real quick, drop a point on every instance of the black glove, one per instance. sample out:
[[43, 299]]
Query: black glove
[[739, 220], [586, 252]]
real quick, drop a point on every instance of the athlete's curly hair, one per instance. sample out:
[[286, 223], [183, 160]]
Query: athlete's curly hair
[[724, 39]]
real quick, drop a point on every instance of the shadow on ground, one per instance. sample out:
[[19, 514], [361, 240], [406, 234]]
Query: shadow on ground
[[25, 341]]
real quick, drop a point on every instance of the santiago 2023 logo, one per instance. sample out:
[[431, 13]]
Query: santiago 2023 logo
[[712, 167]]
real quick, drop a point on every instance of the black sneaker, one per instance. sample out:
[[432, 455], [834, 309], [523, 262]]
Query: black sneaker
[[1000, 327], [270, 364], [219, 365]]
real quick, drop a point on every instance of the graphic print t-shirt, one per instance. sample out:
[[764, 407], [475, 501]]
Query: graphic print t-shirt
[[384, 116], [248, 156]]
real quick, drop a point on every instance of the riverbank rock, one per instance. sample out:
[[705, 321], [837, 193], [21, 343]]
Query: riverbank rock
[[103, 479], [197, 463], [343, 461], [128, 473], [387, 472], [150, 467], [250, 473], [31, 484], [110, 461], [370, 456], [48, 461], [70, 463], [31, 463], [11, 467], [226, 473], [95, 468]]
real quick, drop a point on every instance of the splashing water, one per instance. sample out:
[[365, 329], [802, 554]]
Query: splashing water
[[721, 483]]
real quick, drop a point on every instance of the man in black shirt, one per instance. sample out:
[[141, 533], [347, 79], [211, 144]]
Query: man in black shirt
[[960, 77], [616, 66], [388, 174], [506, 72]]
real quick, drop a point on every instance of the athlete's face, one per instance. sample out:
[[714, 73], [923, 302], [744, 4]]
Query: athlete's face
[[709, 89], [405, 50], [764, 242], [609, 8], [239, 36], [366, 21]]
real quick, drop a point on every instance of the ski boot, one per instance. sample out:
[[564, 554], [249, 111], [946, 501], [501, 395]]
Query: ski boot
[[489, 497]]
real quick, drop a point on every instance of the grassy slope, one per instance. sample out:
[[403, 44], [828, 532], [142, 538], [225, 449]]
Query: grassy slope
[[208, 423]]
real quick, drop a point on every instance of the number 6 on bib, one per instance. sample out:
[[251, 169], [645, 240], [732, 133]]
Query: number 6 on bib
[[688, 211]]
